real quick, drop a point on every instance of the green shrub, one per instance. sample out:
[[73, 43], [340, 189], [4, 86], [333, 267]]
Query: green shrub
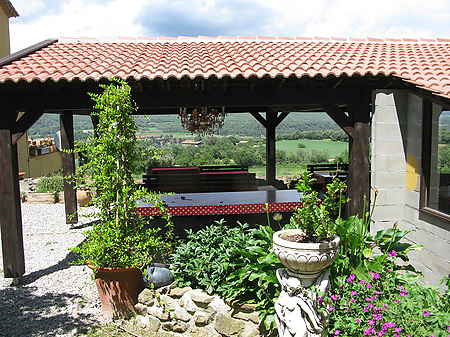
[[235, 263], [50, 184]]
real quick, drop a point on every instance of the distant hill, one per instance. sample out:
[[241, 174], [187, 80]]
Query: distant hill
[[235, 124]]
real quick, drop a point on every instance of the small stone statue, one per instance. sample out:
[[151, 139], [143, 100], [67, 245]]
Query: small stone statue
[[296, 314]]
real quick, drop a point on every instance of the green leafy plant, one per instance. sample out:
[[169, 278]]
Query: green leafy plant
[[121, 238], [50, 184], [387, 304], [317, 216]]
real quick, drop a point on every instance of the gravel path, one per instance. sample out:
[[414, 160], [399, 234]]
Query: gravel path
[[55, 298]]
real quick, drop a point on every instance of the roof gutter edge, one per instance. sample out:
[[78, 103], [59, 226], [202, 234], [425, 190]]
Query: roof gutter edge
[[25, 52]]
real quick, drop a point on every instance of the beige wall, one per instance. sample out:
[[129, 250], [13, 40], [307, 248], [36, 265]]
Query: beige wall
[[45, 164], [396, 167], [4, 34]]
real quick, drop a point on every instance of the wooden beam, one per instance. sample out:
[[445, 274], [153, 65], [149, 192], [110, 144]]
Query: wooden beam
[[340, 118], [68, 161], [281, 117], [24, 123], [259, 118], [359, 164], [10, 209], [271, 171]]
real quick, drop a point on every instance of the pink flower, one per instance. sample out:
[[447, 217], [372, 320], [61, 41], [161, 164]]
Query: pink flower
[[362, 282], [403, 292], [392, 253], [377, 317], [330, 308], [334, 297], [354, 293], [371, 322], [426, 313], [351, 278], [337, 332], [374, 276], [357, 320], [369, 286], [369, 331], [398, 329]]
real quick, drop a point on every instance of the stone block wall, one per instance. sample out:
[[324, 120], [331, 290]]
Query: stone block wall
[[172, 312], [396, 168]]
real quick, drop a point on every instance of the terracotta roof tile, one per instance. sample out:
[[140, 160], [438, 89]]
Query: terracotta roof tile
[[423, 62]]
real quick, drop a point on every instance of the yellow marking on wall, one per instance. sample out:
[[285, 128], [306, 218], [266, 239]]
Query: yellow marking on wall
[[411, 173]]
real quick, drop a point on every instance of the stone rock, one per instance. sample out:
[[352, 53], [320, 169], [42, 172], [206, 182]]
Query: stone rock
[[153, 324], [218, 305], [142, 321], [164, 290], [200, 298], [140, 308], [159, 313], [181, 314], [146, 297], [187, 303], [162, 334], [168, 302], [178, 292], [180, 327], [202, 318], [203, 332], [228, 326], [250, 331], [245, 307], [168, 326], [247, 316]]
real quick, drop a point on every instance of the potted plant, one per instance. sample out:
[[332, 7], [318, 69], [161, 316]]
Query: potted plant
[[309, 243], [121, 243]]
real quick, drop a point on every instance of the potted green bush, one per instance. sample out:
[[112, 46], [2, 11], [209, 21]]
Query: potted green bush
[[121, 243], [309, 243]]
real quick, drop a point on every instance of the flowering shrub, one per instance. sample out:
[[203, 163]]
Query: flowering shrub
[[387, 304]]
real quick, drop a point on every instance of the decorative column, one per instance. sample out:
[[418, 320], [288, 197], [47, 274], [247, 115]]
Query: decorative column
[[296, 309]]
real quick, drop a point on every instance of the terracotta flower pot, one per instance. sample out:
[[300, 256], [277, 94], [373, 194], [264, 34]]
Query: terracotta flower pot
[[83, 197], [118, 289], [304, 259]]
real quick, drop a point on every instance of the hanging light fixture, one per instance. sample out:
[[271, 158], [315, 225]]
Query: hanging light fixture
[[202, 120]]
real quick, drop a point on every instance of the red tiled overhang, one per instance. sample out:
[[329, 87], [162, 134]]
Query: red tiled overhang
[[424, 63]]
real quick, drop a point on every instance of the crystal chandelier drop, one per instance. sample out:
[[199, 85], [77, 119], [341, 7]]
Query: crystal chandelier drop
[[202, 120]]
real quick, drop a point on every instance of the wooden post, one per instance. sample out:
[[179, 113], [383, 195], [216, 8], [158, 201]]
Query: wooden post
[[359, 164], [10, 209], [271, 171], [68, 160]]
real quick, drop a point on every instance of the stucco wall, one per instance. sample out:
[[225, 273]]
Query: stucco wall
[[396, 166], [4, 34], [45, 164]]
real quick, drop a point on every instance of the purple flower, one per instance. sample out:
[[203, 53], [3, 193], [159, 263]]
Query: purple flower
[[362, 282], [334, 297], [353, 300], [448, 328], [354, 293], [403, 292], [397, 301], [389, 325], [374, 276], [369, 286], [376, 292], [369, 331], [392, 253], [396, 335], [426, 313], [330, 308], [377, 317], [357, 320], [337, 332], [398, 329], [351, 278], [371, 322]]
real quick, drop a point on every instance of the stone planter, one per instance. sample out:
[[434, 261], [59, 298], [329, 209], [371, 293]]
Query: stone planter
[[304, 260], [83, 197]]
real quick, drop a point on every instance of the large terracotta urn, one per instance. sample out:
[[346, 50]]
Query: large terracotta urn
[[304, 260]]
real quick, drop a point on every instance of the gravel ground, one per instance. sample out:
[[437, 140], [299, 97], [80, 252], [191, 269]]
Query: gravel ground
[[54, 298]]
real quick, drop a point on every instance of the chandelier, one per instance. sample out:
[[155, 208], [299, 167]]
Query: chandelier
[[202, 120]]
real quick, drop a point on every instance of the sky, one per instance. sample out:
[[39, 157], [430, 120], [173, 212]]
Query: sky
[[43, 19]]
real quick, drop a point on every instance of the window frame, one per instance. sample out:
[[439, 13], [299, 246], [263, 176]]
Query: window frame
[[424, 210]]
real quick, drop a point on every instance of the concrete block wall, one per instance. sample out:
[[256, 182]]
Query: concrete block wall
[[396, 167]]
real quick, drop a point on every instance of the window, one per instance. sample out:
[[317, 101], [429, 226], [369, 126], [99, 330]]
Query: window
[[435, 187]]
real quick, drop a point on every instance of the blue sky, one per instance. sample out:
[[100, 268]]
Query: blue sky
[[43, 19]]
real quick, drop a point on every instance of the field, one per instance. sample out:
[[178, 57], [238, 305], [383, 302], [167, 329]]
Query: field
[[333, 148], [282, 170]]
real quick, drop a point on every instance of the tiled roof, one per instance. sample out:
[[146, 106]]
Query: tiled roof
[[423, 62], [8, 8]]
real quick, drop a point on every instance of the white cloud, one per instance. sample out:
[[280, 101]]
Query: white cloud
[[42, 19]]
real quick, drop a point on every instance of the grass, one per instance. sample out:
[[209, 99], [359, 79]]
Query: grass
[[282, 170], [334, 148]]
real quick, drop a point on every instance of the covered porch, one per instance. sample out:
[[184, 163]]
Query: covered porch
[[272, 77]]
